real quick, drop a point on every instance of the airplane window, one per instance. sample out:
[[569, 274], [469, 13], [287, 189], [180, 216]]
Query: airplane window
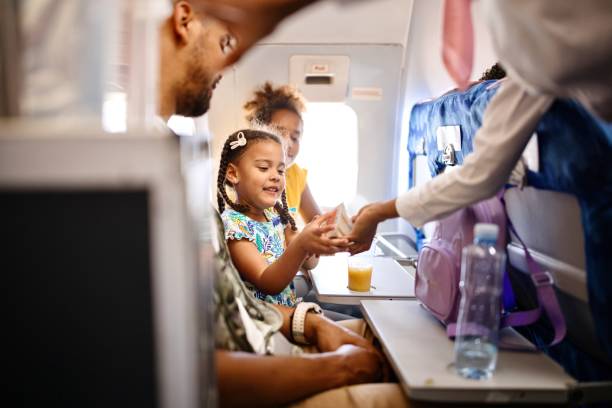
[[114, 112], [182, 125], [329, 152]]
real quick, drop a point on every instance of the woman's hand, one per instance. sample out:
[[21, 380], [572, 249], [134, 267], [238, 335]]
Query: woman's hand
[[314, 240]]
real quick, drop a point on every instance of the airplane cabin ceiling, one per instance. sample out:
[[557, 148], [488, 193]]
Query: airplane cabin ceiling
[[347, 22]]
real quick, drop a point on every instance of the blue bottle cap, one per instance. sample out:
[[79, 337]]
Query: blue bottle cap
[[486, 231]]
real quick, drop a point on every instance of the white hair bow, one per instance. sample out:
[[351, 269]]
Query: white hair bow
[[240, 141]]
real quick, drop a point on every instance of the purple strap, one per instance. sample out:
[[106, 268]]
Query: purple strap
[[547, 298], [545, 291]]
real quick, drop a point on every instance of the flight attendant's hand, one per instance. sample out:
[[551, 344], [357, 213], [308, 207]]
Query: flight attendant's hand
[[249, 21], [365, 223], [364, 229]]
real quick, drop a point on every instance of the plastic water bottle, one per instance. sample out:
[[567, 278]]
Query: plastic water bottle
[[476, 339]]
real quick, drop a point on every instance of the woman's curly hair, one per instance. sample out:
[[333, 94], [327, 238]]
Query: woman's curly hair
[[268, 99]]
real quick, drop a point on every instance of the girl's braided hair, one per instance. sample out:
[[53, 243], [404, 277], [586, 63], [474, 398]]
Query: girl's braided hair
[[269, 99], [229, 155]]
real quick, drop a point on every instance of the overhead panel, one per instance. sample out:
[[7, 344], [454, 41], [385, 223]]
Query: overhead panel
[[347, 22], [320, 78]]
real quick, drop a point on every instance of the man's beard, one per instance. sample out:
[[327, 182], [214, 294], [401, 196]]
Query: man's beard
[[194, 93]]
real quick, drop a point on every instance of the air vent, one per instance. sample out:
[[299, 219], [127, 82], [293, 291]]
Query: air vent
[[321, 78]]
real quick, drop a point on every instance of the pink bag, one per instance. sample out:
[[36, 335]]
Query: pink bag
[[439, 265], [439, 269]]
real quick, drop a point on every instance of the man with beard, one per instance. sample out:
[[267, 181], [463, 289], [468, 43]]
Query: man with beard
[[194, 49]]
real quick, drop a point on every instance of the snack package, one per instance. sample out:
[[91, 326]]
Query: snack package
[[343, 223]]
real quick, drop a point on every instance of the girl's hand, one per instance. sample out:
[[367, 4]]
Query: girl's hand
[[313, 238]]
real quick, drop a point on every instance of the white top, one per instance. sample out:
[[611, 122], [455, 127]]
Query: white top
[[508, 123], [421, 355], [550, 49], [555, 47], [389, 281], [560, 48]]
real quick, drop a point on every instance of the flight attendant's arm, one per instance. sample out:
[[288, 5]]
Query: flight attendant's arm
[[508, 123]]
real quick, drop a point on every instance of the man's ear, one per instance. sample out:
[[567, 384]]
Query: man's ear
[[182, 16], [231, 174]]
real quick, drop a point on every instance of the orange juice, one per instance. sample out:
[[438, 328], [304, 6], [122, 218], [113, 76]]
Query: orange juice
[[359, 276]]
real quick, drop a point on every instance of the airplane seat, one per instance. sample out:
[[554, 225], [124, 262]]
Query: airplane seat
[[108, 286], [569, 210], [550, 224], [564, 216]]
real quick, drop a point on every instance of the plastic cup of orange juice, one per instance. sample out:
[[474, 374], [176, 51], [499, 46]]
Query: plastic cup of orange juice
[[359, 274]]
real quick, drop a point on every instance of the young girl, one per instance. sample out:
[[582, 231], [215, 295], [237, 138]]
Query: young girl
[[282, 108], [261, 235]]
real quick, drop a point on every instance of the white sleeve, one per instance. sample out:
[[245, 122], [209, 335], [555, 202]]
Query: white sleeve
[[508, 123]]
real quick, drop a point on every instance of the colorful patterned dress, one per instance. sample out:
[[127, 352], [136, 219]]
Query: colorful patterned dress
[[269, 238]]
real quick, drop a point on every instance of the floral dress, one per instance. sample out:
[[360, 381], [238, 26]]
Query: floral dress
[[242, 322], [269, 238]]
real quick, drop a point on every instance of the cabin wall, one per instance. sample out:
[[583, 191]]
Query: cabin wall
[[393, 45], [374, 41], [377, 66]]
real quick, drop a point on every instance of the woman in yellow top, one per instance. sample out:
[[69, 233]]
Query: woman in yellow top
[[282, 108]]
